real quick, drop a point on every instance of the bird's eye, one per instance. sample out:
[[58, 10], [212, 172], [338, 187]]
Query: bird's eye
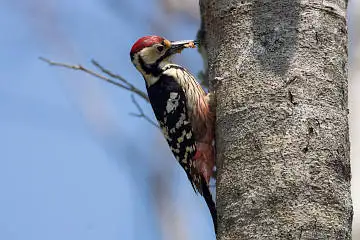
[[160, 48]]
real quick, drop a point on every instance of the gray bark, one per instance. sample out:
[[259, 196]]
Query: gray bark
[[279, 69]]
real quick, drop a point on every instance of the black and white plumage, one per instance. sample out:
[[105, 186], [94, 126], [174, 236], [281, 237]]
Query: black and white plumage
[[182, 109], [168, 102]]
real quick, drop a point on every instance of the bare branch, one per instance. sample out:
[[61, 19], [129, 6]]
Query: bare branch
[[125, 84], [131, 87], [141, 113]]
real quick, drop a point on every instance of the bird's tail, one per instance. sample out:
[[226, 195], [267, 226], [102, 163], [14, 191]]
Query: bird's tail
[[210, 203]]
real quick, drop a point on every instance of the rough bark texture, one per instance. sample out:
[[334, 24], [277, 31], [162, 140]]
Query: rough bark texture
[[279, 69]]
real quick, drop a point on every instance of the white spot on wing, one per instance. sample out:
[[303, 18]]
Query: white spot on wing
[[188, 135], [181, 121], [189, 149], [173, 102], [173, 95]]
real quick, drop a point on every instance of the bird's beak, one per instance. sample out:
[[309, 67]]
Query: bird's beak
[[178, 46]]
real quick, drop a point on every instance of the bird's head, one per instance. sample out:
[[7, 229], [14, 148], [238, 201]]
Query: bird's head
[[150, 54]]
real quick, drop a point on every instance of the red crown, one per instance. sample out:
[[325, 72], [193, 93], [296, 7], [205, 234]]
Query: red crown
[[144, 42]]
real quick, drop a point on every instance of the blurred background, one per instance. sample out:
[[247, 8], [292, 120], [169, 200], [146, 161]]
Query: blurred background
[[74, 164]]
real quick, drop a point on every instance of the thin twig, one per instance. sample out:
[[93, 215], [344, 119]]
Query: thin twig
[[131, 87], [125, 85], [141, 113]]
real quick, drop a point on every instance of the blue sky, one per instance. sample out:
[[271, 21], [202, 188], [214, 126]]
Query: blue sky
[[73, 163]]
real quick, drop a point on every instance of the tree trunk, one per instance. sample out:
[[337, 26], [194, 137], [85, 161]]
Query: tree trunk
[[279, 69]]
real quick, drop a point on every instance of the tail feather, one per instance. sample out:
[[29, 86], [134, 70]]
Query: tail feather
[[210, 203]]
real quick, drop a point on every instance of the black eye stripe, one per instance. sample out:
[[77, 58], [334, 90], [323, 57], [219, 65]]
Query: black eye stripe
[[160, 48]]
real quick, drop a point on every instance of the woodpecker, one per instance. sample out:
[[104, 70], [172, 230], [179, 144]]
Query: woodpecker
[[181, 107]]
